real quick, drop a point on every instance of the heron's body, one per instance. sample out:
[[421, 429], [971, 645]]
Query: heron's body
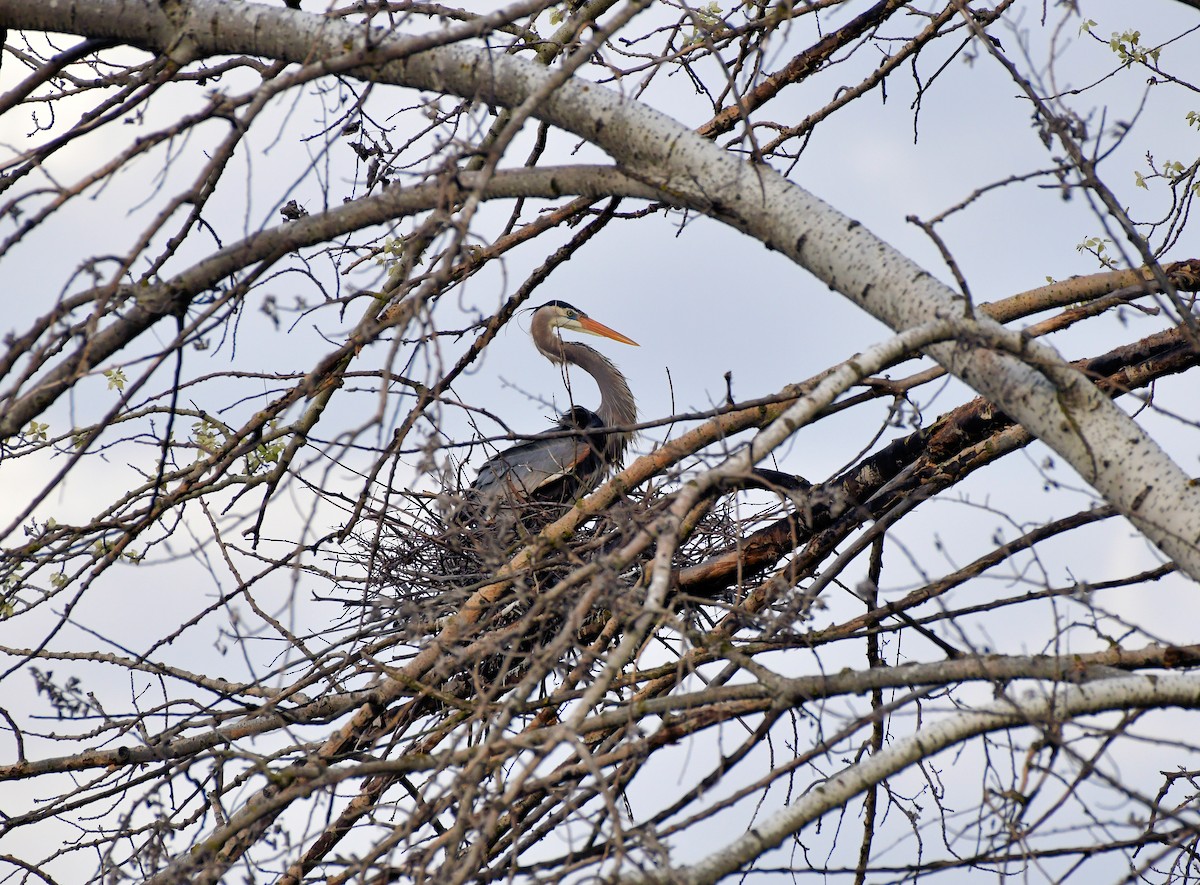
[[554, 467], [586, 445]]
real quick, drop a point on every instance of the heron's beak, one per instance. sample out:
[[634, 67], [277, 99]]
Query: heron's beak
[[589, 325]]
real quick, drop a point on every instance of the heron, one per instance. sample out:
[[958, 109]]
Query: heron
[[561, 467]]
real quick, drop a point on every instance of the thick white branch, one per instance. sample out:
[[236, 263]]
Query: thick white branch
[[1104, 445], [1060, 703]]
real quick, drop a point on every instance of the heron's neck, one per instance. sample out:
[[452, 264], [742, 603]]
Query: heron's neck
[[617, 407]]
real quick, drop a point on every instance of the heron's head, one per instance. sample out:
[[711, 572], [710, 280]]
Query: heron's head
[[560, 315]]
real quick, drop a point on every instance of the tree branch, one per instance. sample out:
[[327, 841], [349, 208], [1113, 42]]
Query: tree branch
[[1106, 447], [1058, 703]]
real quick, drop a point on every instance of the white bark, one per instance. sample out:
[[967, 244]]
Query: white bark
[[1060, 703], [799, 414], [1052, 401]]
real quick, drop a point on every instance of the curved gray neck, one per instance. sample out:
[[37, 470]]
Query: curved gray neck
[[617, 407]]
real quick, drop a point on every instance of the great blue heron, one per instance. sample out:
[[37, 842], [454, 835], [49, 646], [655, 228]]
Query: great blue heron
[[559, 468]]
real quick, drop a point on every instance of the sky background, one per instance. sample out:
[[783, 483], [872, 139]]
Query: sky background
[[701, 299]]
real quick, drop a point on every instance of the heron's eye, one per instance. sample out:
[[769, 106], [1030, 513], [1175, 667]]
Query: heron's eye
[[572, 315]]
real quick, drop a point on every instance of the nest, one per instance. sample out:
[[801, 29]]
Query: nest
[[422, 564], [422, 567]]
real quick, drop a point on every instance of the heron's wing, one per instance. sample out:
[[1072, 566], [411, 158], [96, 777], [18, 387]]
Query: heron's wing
[[524, 470]]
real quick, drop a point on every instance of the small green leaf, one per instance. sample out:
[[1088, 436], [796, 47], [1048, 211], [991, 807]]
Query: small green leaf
[[116, 379], [1129, 49], [204, 432], [1097, 245]]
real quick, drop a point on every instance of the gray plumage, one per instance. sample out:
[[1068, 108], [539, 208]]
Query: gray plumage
[[585, 445]]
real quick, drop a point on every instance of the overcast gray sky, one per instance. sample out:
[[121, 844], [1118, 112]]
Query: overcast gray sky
[[701, 299]]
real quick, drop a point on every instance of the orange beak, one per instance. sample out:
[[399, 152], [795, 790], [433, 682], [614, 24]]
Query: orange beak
[[591, 326]]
